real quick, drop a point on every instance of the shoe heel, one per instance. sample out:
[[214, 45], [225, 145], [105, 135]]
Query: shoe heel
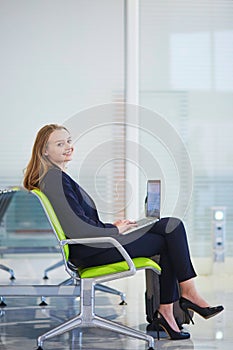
[[205, 312], [160, 321], [189, 316], [186, 311], [157, 330]]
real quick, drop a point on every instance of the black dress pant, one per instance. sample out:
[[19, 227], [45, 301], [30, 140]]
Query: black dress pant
[[167, 237]]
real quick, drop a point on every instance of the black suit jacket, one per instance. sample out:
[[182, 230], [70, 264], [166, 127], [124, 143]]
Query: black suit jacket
[[77, 214]]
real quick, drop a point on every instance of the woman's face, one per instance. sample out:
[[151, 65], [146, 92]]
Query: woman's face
[[59, 148]]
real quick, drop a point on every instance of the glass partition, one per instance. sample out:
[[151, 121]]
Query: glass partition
[[186, 75], [24, 225]]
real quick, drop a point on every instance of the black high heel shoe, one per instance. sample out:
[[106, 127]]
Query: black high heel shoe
[[205, 312], [160, 322]]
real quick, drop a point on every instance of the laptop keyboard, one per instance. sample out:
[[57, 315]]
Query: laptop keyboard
[[140, 223], [144, 221]]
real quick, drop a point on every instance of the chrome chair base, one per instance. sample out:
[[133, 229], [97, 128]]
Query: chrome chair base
[[88, 318]]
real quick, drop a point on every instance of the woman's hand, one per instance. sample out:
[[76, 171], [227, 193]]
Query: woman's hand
[[124, 225]]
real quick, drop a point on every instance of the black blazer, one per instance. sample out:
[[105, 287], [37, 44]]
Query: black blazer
[[77, 214], [75, 209]]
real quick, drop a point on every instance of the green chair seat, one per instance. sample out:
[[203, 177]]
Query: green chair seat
[[95, 271]]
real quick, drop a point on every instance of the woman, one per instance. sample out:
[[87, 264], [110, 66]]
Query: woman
[[77, 213]]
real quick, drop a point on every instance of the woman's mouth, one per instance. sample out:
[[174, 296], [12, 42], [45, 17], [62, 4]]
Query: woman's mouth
[[68, 153]]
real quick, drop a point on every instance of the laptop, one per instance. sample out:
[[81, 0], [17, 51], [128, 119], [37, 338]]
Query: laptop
[[152, 205]]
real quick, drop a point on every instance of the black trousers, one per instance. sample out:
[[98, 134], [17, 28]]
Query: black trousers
[[167, 237]]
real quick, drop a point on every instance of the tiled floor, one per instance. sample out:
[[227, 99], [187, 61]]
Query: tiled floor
[[22, 320]]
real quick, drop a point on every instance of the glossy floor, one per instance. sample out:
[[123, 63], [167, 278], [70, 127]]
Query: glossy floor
[[22, 320]]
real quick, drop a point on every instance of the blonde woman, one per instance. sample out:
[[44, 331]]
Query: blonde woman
[[78, 215]]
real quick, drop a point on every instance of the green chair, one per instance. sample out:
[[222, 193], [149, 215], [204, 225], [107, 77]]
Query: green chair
[[89, 277]]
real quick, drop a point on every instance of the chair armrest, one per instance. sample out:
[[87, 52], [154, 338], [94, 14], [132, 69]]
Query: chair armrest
[[110, 240]]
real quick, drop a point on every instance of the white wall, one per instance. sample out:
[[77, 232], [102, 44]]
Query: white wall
[[57, 58]]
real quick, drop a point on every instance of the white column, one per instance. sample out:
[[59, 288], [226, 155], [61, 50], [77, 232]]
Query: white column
[[132, 91]]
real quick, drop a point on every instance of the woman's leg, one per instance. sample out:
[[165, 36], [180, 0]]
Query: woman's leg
[[178, 252], [189, 291], [175, 258], [166, 310], [169, 237], [180, 257]]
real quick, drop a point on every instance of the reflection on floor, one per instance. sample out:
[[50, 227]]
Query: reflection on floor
[[22, 320]]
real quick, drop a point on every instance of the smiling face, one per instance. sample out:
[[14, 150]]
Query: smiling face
[[59, 148]]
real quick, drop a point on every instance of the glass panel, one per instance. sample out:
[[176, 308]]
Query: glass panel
[[25, 225], [186, 75]]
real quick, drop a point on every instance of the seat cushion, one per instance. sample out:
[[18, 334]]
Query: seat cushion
[[96, 271]]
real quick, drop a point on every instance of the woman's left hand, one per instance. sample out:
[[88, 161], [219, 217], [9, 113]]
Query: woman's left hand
[[124, 225]]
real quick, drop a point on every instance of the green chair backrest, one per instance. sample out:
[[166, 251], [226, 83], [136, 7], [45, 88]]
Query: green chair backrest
[[53, 219]]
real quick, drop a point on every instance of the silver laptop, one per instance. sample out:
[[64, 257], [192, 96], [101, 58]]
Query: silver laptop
[[152, 205]]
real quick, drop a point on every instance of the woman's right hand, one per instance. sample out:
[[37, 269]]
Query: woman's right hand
[[124, 225]]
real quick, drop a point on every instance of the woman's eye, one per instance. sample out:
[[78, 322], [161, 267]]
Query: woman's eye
[[69, 141], [60, 144]]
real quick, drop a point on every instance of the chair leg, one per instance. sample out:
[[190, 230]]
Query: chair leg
[[7, 269], [12, 277], [2, 302], [52, 267], [63, 328], [118, 328], [107, 289], [43, 301], [69, 282]]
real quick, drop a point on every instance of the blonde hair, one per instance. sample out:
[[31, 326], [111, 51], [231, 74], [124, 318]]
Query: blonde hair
[[39, 163]]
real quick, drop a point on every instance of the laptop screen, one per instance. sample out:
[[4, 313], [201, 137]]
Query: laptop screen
[[153, 198]]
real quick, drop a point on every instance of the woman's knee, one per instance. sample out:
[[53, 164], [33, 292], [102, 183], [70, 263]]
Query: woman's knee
[[171, 224]]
